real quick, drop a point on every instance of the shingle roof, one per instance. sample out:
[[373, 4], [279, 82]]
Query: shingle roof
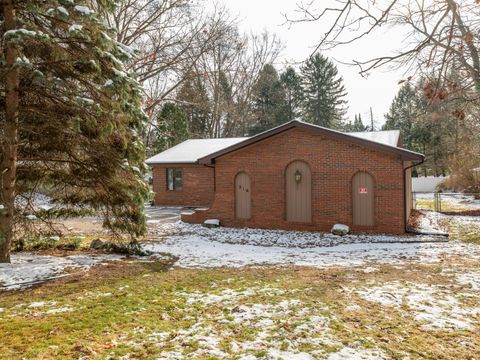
[[387, 137], [204, 150], [189, 151]]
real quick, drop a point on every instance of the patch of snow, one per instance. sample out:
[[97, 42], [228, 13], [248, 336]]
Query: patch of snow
[[352, 307], [119, 73], [14, 33], [41, 304], [28, 268], [348, 353], [59, 310], [214, 222], [75, 27], [84, 10], [340, 229], [472, 279], [63, 11], [275, 354], [306, 326], [428, 223], [432, 305], [22, 61], [85, 101], [31, 217]]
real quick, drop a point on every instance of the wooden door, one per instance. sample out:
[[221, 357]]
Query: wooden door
[[298, 182], [363, 199], [242, 196]]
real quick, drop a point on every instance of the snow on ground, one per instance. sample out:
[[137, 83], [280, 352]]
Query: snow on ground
[[450, 201], [280, 329], [279, 238], [29, 268], [197, 246], [429, 222], [434, 306]]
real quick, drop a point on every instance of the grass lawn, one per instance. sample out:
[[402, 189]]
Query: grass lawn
[[132, 309]]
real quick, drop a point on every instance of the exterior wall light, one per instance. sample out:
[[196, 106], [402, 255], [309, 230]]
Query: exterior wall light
[[298, 177]]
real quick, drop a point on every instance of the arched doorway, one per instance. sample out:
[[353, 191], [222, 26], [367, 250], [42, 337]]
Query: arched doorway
[[363, 199], [242, 196], [298, 182]]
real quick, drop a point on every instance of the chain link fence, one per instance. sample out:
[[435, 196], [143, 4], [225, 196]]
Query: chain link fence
[[454, 203]]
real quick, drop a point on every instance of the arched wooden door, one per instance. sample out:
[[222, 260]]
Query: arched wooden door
[[242, 196], [363, 199], [298, 182]]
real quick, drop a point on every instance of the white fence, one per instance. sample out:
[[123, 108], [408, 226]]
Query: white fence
[[426, 184]]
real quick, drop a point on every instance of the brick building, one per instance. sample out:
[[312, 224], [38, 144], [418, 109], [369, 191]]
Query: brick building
[[297, 176]]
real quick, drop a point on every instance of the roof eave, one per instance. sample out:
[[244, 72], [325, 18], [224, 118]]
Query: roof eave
[[403, 153], [151, 163]]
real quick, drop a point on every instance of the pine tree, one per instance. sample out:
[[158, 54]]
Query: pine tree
[[268, 101], [172, 127], [71, 118], [357, 125], [194, 101], [324, 101], [292, 86], [403, 111]]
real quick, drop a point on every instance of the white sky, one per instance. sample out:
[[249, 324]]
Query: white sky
[[377, 91]]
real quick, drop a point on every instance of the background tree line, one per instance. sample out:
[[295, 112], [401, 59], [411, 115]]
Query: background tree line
[[209, 103]]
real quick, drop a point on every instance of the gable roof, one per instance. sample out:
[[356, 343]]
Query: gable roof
[[383, 142], [189, 151]]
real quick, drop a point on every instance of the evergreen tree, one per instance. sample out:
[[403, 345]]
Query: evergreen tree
[[403, 111], [268, 101], [324, 101], [292, 86], [172, 127], [194, 101], [70, 117], [357, 125]]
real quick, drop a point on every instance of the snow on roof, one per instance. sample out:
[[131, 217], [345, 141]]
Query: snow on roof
[[386, 137], [190, 151]]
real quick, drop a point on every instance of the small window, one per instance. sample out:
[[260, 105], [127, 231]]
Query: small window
[[174, 179]]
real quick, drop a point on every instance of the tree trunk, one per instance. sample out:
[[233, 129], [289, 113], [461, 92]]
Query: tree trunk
[[9, 141]]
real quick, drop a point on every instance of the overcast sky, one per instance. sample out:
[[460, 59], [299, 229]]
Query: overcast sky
[[377, 91]]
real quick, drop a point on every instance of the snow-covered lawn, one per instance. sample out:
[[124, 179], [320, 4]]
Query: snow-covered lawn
[[29, 268], [198, 246], [433, 306]]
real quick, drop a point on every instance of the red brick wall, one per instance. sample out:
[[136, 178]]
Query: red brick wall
[[197, 186], [333, 164]]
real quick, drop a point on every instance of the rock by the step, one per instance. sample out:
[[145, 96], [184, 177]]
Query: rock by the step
[[340, 229], [211, 223]]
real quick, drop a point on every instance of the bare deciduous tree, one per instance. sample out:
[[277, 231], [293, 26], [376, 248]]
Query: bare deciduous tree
[[442, 35], [230, 68]]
